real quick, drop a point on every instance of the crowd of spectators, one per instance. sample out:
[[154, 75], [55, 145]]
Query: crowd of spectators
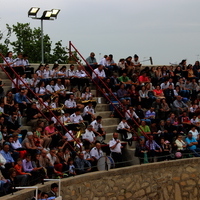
[[161, 103]]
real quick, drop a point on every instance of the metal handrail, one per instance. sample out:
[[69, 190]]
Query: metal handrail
[[71, 54], [29, 89]]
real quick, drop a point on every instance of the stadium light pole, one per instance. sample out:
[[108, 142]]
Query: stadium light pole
[[47, 15]]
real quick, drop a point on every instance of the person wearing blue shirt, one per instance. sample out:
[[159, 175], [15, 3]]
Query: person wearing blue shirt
[[9, 160], [21, 99], [191, 144]]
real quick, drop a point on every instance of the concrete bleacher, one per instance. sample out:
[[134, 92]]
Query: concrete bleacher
[[102, 109]]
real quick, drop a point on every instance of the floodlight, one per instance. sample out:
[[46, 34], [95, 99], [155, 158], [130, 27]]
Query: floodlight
[[33, 11], [55, 12], [46, 14]]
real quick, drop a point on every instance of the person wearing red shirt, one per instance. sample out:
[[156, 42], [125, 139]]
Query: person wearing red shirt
[[21, 176], [143, 78]]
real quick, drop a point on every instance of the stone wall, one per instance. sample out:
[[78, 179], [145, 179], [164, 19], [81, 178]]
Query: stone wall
[[171, 180]]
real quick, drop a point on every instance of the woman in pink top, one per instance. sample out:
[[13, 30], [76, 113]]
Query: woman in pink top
[[49, 131]]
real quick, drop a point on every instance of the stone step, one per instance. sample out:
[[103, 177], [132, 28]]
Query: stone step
[[28, 128], [6, 88], [104, 114], [100, 99], [3, 75], [110, 128], [110, 121], [7, 82], [129, 155], [102, 107]]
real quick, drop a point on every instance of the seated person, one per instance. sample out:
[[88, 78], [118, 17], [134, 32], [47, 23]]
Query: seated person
[[179, 105], [21, 99], [158, 93], [82, 165], [122, 93], [88, 113], [143, 79], [143, 129], [96, 152], [54, 190], [29, 144], [124, 79], [153, 147], [89, 136], [21, 175], [82, 78], [33, 115], [70, 104], [123, 128], [98, 129], [91, 60], [13, 124], [9, 160], [192, 144]]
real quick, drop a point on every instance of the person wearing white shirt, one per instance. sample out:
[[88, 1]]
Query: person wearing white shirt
[[96, 152], [19, 64], [82, 78], [71, 73], [99, 72], [70, 104], [46, 72], [60, 89], [76, 117], [194, 132], [89, 136], [98, 128], [10, 61], [88, 113], [52, 156], [104, 61], [115, 148], [50, 88], [130, 113], [123, 128]]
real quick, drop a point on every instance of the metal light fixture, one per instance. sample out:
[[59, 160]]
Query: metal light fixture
[[55, 13], [33, 11], [47, 15]]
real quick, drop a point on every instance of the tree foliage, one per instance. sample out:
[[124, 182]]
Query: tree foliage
[[28, 41]]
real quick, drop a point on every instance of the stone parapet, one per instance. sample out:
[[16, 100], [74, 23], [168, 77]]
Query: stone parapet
[[171, 180]]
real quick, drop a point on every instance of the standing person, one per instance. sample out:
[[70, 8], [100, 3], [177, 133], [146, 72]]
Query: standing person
[[115, 148]]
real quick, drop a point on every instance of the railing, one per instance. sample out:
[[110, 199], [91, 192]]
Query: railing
[[100, 89], [30, 90]]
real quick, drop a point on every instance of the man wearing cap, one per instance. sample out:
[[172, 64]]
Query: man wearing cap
[[29, 144]]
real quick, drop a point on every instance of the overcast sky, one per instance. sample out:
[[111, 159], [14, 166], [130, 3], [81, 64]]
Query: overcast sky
[[167, 30]]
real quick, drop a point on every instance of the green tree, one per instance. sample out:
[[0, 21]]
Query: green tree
[[60, 53], [28, 41]]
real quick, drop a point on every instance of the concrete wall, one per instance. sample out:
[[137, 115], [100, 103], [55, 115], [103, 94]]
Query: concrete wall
[[172, 180]]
